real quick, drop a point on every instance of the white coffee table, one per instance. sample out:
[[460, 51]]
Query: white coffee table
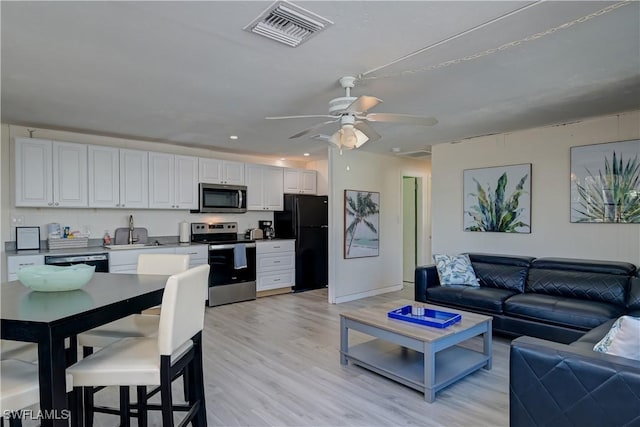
[[425, 358]]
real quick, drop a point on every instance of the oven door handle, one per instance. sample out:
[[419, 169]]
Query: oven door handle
[[229, 246]]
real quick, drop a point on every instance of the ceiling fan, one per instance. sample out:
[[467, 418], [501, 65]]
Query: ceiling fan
[[353, 115]]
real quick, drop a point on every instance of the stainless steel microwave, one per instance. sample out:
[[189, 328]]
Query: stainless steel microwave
[[221, 198]]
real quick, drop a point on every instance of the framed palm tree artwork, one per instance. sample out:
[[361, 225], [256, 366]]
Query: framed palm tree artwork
[[361, 224], [605, 183], [498, 199]]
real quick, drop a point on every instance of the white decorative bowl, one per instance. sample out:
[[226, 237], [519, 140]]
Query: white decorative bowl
[[50, 278]]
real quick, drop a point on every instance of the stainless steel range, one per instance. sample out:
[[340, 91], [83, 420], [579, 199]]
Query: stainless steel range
[[232, 261]]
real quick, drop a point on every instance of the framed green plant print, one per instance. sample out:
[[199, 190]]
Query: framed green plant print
[[605, 183], [498, 199]]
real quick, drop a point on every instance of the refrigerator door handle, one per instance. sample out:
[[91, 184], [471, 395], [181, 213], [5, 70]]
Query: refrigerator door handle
[[324, 226]]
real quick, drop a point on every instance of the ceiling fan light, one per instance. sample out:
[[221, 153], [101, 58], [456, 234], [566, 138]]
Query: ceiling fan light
[[348, 137]]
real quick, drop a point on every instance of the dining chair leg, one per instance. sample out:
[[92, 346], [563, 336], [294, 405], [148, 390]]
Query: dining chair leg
[[197, 380], [142, 406], [87, 393], [165, 391], [125, 410], [75, 405], [185, 384], [15, 420]]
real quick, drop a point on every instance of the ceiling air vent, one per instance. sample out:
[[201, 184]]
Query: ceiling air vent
[[288, 23], [414, 154]]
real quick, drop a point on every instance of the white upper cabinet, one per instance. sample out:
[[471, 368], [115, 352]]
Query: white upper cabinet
[[173, 181], [134, 179], [70, 175], [186, 182], [104, 177], [50, 173], [264, 187], [161, 181], [300, 181], [34, 166], [215, 171]]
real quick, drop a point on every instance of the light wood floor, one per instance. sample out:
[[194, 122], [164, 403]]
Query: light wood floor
[[275, 362]]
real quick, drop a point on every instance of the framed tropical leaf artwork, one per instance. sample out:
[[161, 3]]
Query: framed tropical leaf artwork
[[605, 183], [498, 199], [361, 223]]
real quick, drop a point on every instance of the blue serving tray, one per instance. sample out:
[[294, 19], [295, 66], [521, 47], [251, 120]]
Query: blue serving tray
[[435, 318]]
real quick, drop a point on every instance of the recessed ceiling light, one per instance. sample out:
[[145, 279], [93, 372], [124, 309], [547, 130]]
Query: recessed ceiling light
[[282, 158], [233, 137], [306, 154], [395, 149]]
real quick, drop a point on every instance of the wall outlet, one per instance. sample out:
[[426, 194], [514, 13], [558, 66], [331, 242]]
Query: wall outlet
[[17, 220]]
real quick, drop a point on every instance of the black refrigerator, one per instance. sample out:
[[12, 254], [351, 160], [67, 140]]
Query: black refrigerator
[[305, 219]]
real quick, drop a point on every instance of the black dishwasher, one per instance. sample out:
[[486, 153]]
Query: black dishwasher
[[101, 261]]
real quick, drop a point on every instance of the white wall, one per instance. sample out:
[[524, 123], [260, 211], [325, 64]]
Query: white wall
[[548, 150], [322, 169], [157, 222], [351, 279], [4, 196]]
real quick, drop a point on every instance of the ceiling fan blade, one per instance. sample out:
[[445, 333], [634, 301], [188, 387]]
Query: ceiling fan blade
[[312, 128], [299, 117], [363, 104], [400, 118], [367, 130]]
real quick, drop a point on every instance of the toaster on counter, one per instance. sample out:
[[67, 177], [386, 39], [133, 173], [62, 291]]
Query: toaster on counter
[[254, 234]]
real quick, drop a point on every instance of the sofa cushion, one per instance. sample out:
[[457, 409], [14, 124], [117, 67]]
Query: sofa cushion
[[501, 276], [591, 338], [623, 339], [633, 301], [478, 298], [607, 288], [455, 270], [585, 265], [559, 310]]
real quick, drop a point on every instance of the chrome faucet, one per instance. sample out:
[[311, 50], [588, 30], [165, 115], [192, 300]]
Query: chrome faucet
[[131, 239]]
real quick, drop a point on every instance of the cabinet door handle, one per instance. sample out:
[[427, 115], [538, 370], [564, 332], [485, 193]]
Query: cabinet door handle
[[50, 204], [56, 203], [276, 262], [276, 280], [25, 264]]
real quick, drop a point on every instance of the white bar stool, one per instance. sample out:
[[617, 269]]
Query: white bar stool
[[20, 388], [157, 361]]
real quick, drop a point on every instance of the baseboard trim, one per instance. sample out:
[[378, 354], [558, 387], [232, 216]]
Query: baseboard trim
[[370, 293], [272, 292]]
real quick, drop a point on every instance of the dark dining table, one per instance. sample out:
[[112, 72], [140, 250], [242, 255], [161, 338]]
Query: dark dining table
[[48, 318]]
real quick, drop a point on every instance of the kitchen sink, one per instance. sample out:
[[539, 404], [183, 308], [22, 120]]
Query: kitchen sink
[[133, 246]]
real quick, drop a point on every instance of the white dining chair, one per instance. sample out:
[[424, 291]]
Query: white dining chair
[[25, 351], [19, 388], [137, 325], [158, 360]]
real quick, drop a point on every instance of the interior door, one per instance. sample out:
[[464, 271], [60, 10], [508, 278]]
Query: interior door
[[408, 228]]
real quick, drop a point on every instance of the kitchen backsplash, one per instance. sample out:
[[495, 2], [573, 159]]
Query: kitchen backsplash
[[96, 221]]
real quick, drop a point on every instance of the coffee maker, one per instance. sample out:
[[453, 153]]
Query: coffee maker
[[267, 229]]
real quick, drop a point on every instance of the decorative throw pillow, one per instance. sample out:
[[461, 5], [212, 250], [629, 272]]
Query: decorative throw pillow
[[455, 270], [623, 339]]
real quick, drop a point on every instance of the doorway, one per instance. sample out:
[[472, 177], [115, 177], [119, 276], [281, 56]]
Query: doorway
[[409, 227]]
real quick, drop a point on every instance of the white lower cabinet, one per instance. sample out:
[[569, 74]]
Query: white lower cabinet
[[275, 264], [15, 263], [126, 261], [199, 254]]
